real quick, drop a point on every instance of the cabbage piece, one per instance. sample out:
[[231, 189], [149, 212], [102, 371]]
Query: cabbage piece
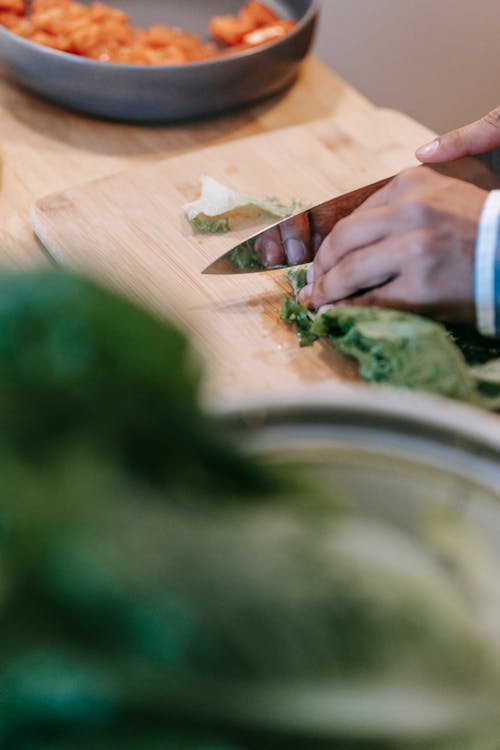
[[217, 203], [399, 348]]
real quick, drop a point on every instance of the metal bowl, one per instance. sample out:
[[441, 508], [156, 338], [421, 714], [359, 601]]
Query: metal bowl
[[396, 456], [409, 463], [139, 93]]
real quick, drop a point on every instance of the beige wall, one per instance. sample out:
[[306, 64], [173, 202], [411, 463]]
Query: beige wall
[[437, 60]]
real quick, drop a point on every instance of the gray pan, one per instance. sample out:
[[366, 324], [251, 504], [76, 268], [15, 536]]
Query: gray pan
[[138, 93]]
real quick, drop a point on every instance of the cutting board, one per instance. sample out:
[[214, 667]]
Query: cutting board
[[128, 231]]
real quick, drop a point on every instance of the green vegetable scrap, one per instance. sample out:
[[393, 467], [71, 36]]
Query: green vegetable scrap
[[398, 348], [218, 205], [212, 226], [294, 312], [297, 276]]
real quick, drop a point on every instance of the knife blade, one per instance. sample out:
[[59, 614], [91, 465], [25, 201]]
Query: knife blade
[[244, 258]]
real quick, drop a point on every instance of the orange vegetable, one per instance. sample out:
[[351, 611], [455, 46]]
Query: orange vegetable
[[233, 30], [230, 30], [11, 21], [104, 33], [268, 34], [258, 14], [18, 7]]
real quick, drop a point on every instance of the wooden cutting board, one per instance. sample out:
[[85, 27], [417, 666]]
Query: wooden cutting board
[[129, 231]]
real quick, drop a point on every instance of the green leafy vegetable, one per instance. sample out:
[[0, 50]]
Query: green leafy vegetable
[[159, 588], [297, 276], [214, 226], [72, 356], [397, 348], [218, 204], [400, 348], [294, 312]]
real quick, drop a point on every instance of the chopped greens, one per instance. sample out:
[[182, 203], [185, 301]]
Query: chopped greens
[[294, 312], [218, 205], [297, 276], [214, 226], [399, 348]]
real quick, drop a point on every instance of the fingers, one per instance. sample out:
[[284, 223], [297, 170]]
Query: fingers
[[476, 138], [288, 243], [360, 229], [365, 269], [299, 238], [353, 256], [392, 295]]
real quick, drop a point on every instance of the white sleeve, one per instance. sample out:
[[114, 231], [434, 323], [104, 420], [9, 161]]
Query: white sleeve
[[487, 267]]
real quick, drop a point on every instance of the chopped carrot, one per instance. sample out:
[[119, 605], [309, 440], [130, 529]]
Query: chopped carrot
[[13, 6], [257, 14], [230, 30], [10, 20], [268, 33], [100, 32]]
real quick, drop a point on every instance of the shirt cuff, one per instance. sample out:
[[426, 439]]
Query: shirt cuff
[[487, 267]]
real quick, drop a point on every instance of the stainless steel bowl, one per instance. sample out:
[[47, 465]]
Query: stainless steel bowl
[[138, 93], [385, 452], [414, 465]]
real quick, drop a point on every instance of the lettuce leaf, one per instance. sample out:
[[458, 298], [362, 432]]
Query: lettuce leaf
[[400, 348], [217, 204], [213, 226]]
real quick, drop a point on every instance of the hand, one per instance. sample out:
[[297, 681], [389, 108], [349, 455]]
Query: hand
[[298, 238], [409, 246], [476, 138]]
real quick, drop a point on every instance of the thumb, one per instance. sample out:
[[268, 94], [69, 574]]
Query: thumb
[[476, 138]]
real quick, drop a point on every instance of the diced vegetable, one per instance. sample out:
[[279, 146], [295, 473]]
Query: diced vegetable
[[230, 30], [268, 33], [258, 14], [104, 33]]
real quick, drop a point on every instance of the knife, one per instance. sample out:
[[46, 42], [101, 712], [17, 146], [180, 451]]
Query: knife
[[244, 258]]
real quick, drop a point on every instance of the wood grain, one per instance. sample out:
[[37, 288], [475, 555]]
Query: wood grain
[[45, 148], [128, 230]]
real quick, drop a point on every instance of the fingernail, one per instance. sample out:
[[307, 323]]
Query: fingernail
[[305, 295], [428, 149], [296, 251], [310, 274], [273, 253]]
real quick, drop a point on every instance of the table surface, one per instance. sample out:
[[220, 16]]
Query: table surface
[[45, 148]]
